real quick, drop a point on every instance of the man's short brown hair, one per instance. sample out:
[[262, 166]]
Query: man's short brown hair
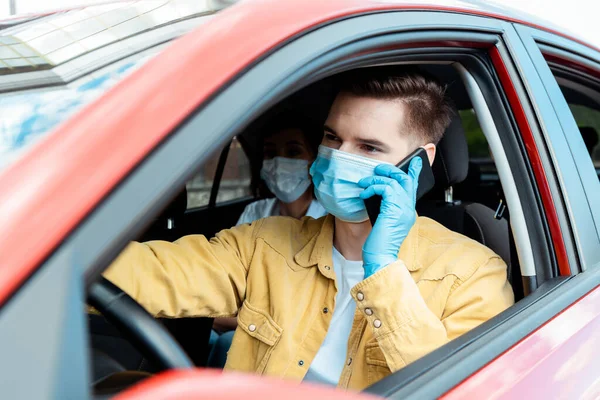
[[428, 111]]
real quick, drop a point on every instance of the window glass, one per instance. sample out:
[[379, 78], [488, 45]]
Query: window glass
[[582, 94], [588, 121], [200, 186], [235, 181], [482, 184], [478, 147], [479, 151]]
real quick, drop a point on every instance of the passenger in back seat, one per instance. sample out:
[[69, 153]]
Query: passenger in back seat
[[289, 147]]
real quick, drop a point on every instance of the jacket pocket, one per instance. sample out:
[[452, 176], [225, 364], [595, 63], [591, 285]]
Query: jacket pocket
[[255, 339], [377, 367]]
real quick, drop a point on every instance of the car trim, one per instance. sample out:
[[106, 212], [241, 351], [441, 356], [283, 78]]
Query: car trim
[[535, 160], [517, 217], [570, 60], [581, 73], [574, 178]]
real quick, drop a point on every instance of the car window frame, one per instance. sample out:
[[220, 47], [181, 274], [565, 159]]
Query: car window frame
[[98, 240], [576, 175]]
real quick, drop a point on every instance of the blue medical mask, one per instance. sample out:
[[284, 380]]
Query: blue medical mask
[[335, 176]]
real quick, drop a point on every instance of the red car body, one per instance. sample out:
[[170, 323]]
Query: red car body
[[62, 179]]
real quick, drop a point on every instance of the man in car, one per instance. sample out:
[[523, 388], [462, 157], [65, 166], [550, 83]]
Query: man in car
[[334, 300]]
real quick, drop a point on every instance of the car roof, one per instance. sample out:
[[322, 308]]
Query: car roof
[[62, 178]]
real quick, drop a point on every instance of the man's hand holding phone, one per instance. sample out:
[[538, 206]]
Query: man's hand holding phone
[[397, 215]]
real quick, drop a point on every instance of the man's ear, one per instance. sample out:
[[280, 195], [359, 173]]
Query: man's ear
[[430, 148]]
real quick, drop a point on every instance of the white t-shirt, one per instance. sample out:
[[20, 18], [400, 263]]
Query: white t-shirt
[[270, 207], [329, 362]]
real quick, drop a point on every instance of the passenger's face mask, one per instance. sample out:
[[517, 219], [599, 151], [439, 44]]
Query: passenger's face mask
[[286, 178], [335, 175]]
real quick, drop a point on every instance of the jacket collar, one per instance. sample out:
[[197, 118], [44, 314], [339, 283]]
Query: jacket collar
[[318, 249]]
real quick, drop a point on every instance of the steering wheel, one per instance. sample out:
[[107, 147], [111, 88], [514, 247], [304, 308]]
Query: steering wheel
[[141, 329]]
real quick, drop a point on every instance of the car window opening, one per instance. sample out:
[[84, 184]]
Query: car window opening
[[470, 197]]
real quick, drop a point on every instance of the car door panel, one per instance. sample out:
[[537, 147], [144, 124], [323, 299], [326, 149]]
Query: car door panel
[[559, 360]]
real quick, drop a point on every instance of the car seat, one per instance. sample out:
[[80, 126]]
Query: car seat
[[473, 220]]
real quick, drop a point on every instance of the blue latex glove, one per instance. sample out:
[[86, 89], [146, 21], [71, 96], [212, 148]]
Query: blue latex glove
[[397, 215]]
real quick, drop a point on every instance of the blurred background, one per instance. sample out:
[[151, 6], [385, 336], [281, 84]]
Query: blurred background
[[19, 7], [575, 15]]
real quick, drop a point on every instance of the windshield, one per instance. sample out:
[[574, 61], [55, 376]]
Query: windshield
[[51, 66]]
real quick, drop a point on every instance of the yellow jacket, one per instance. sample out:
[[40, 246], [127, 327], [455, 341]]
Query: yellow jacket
[[278, 273]]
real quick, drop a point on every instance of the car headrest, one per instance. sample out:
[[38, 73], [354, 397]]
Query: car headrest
[[451, 163]]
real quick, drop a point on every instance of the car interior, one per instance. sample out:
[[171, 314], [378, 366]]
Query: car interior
[[468, 198]]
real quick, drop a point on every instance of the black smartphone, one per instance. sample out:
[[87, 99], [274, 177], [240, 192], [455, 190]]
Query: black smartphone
[[426, 182]]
